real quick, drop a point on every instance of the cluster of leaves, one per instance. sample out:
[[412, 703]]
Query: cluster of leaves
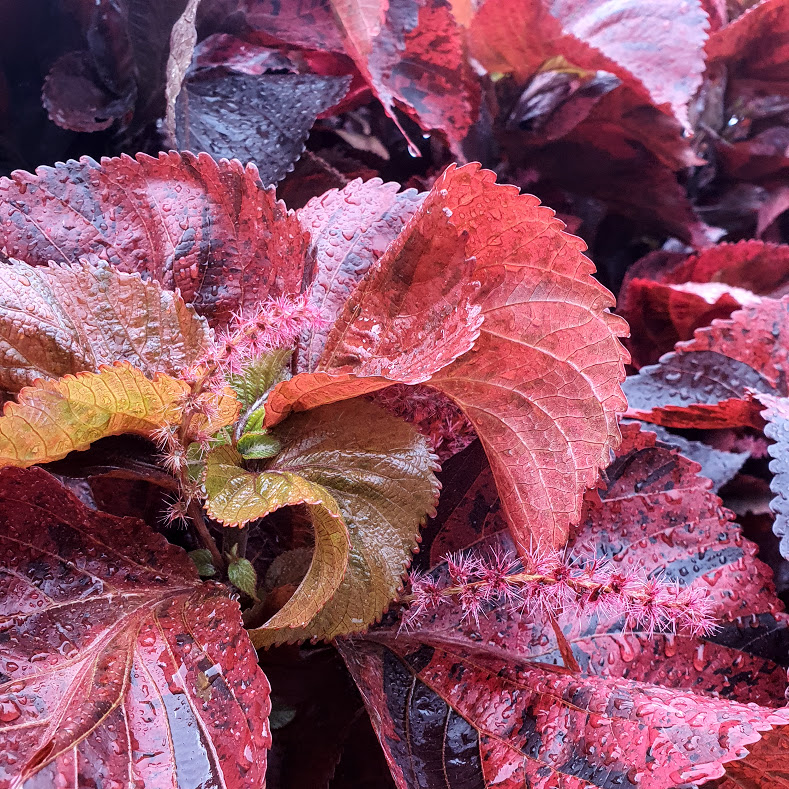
[[272, 396]]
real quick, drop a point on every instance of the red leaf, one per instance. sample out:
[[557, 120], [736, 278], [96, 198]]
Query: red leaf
[[118, 665], [466, 699], [350, 229], [705, 381], [206, 227], [547, 419], [520, 35], [661, 314]]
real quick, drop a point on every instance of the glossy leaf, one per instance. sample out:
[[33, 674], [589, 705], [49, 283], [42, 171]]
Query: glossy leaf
[[118, 664], [380, 472], [53, 418], [520, 35], [705, 382], [412, 313], [207, 228], [263, 119], [60, 319], [484, 703], [350, 229], [235, 496], [547, 419]]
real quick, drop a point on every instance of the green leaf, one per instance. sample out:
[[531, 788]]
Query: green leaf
[[258, 445], [260, 376], [53, 418], [58, 320], [235, 496], [380, 472], [201, 558], [242, 575]]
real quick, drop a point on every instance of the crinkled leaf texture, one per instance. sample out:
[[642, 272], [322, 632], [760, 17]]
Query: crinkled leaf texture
[[776, 412], [548, 419], [520, 35], [263, 118], [705, 382], [61, 319], [117, 665], [483, 705], [207, 228], [379, 471], [53, 418]]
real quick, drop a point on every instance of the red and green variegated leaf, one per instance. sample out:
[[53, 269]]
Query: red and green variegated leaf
[[118, 666], [62, 319], [52, 418], [705, 381], [547, 418], [235, 496], [207, 228], [380, 472]]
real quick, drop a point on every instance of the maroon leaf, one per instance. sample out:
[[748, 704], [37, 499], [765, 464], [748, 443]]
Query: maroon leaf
[[235, 110], [205, 227], [661, 314], [705, 382], [766, 765], [118, 665], [520, 35], [471, 701]]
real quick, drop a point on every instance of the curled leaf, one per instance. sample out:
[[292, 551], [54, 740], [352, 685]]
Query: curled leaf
[[380, 472]]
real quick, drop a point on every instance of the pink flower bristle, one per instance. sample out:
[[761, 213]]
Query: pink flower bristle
[[550, 584], [175, 514]]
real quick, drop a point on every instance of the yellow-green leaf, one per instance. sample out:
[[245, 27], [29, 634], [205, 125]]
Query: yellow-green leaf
[[242, 575], [58, 320], [235, 496], [380, 472], [53, 418]]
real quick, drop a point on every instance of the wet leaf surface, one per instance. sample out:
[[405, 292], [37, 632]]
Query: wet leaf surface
[[488, 705], [117, 664], [776, 413], [58, 320], [207, 228], [380, 472]]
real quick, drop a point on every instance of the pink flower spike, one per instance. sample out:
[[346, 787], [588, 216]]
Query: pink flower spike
[[463, 568], [472, 600], [496, 583]]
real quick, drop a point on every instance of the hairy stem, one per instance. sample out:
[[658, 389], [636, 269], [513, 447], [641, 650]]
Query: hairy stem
[[196, 514]]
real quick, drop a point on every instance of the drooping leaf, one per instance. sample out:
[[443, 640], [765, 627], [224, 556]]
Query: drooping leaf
[[118, 665], [235, 496], [470, 701], [207, 228], [380, 472], [263, 119], [350, 229], [705, 381], [520, 35], [547, 419], [61, 319], [53, 418], [667, 296]]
